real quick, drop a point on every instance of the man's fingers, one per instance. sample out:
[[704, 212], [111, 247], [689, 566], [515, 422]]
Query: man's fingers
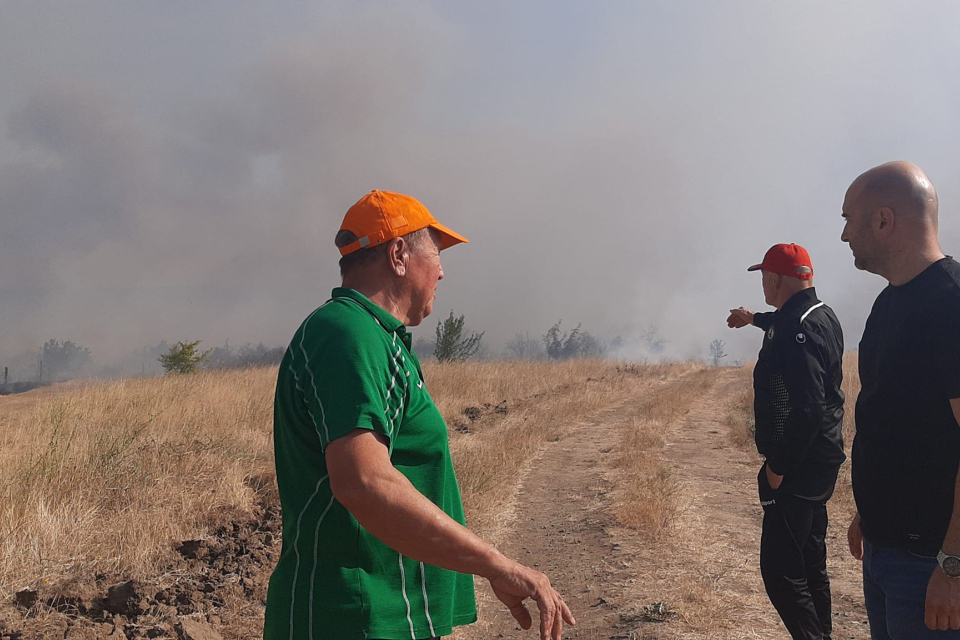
[[521, 615], [937, 619], [533, 584], [557, 623], [855, 540], [735, 320], [547, 613], [546, 622], [856, 548]]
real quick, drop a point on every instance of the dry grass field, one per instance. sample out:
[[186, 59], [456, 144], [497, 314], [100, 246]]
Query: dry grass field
[[168, 482]]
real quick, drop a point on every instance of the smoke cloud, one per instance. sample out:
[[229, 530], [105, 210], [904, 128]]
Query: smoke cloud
[[181, 174]]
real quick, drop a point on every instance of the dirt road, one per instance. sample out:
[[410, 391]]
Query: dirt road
[[699, 580]]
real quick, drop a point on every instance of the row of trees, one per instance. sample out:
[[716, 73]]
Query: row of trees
[[454, 342], [186, 357], [58, 361]]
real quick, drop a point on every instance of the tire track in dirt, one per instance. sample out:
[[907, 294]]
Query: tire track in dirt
[[563, 525], [705, 569]]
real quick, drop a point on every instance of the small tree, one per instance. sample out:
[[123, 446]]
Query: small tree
[[590, 346], [183, 357], [562, 345], [453, 342], [717, 352], [652, 340], [523, 347], [62, 361]]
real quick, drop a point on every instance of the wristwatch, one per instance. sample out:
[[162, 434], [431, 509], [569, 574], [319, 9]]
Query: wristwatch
[[949, 564]]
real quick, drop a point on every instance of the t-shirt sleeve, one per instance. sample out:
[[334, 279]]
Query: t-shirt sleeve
[[352, 381], [946, 341]]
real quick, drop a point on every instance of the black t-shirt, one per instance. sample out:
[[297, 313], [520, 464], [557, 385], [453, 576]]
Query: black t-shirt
[[907, 446]]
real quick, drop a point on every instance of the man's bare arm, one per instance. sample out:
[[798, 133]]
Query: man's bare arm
[[387, 505], [942, 610]]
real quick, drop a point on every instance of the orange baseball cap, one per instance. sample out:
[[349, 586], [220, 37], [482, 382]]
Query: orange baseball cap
[[787, 260], [380, 216]]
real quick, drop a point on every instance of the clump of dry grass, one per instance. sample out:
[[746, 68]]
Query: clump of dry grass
[[104, 477], [842, 505], [647, 493], [739, 419]]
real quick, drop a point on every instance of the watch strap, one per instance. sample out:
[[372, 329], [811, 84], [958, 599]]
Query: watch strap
[[949, 564]]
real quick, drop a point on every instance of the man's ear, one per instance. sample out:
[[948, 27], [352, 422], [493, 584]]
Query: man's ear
[[776, 280], [398, 256], [883, 221]]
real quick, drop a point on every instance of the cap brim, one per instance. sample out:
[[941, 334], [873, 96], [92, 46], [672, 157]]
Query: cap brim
[[448, 237], [755, 267]]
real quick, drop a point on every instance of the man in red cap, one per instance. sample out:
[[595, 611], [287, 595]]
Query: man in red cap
[[374, 543], [798, 411]]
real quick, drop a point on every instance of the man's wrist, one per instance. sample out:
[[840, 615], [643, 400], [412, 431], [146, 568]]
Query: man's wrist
[[494, 564], [949, 564]]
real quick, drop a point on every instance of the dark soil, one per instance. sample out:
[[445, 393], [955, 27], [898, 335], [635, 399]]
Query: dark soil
[[215, 588]]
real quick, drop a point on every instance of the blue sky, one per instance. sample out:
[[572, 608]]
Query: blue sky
[[178, 170]]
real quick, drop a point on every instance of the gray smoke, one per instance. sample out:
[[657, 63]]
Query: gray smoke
[[181, 174]]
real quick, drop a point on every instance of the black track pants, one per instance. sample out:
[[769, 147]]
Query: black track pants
[[793, 562]]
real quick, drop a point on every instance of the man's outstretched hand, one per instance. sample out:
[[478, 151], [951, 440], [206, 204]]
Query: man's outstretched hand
[[739, 317], [518, 583]]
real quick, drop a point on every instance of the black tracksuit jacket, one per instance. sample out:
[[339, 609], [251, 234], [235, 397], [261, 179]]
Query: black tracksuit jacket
[[798, 404]]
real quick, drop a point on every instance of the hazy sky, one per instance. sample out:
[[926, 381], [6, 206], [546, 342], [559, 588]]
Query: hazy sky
[[177, 170]]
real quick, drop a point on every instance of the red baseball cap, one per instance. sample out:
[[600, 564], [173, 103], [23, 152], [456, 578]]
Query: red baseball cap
[[787, 260], [383, 215]]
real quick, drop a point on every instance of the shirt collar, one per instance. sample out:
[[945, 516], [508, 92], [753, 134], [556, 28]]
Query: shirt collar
[[800, 299], [379, 313]]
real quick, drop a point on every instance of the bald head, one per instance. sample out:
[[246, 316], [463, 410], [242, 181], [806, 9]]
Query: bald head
[[901, 186], [891, 221]]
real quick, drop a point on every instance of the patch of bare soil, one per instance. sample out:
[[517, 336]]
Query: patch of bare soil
[[213, 590], [700, 580]]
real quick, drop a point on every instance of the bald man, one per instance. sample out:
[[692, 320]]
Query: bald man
[[906, 452]]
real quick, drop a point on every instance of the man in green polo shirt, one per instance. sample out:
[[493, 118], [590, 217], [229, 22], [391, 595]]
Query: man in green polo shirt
[[374, 545]]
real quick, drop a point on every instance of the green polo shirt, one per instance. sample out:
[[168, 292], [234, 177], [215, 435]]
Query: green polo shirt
[[350, 365]]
